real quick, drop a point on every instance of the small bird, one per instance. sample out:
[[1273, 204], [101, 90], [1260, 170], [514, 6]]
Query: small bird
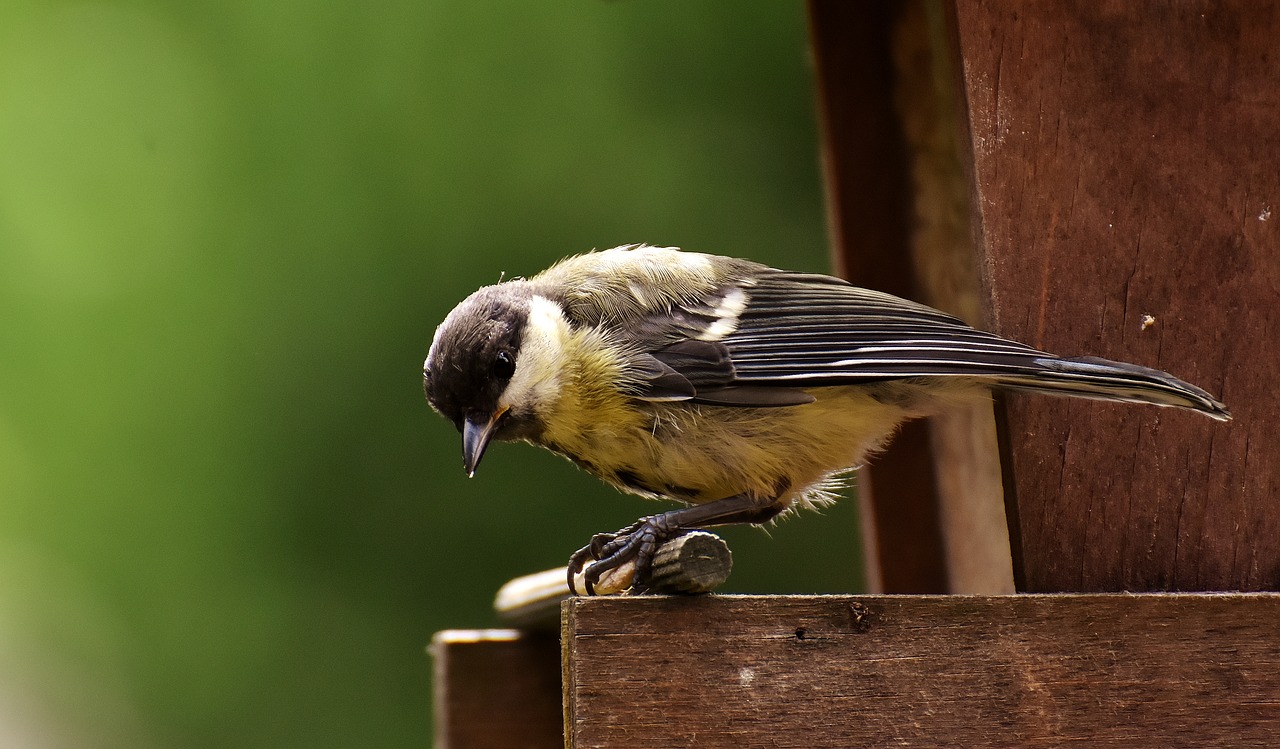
[[740, 390]]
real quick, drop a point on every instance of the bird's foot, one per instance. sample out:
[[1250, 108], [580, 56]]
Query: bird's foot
[[636, 544]]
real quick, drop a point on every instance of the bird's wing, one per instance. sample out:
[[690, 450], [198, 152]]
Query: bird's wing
[[759, 343], [818, 330]]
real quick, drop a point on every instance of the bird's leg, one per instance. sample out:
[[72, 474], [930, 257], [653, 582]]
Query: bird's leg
[[639, 541]]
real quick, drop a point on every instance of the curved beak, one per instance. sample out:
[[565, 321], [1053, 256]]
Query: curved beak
[[475, 438]]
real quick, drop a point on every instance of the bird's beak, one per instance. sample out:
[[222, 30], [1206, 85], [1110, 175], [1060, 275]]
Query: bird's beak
[[475, 438]]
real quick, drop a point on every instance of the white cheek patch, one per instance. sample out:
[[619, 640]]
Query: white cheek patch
[[537, 377]]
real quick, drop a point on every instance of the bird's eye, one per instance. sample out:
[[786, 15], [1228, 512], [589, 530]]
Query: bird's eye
[[503, 365]]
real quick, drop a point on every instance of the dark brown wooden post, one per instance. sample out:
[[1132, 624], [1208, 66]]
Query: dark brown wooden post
[[1117, 176], [496, 689], [865, 166], [1126, 163], [898, 205]]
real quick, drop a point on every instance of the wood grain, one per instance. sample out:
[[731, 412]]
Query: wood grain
[[1124, 160], [869, 205], [1169, 670], [496, 689], [971, 512]]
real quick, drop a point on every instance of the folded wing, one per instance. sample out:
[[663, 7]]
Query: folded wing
[[763, 343]]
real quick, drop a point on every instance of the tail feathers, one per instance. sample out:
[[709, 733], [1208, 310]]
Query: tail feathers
[[1090, 377]]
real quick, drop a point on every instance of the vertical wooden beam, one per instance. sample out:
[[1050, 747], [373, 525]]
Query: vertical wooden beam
[[497, 689], [1124, 162], [966, 459], [869, 206], [899, 216]]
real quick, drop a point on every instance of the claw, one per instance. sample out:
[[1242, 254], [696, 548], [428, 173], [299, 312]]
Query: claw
[[637, 543], [592, 551]]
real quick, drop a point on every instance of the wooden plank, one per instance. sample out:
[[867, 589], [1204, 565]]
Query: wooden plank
[[971, 511], [497, 689], [898, 203], [868, 212], [1123, 158], [1117, 670]]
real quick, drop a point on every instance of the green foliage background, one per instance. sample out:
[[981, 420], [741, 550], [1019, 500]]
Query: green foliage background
[[227, 232]]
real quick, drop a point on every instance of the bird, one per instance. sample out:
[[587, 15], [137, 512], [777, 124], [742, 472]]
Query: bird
[[739, 390]]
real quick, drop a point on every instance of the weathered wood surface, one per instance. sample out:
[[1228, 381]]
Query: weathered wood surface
[[1124, 158], [869, 205], [496, 689], [1172, 670], [974, 531]]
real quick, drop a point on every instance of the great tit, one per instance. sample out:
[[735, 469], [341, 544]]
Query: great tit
[[740, 390]]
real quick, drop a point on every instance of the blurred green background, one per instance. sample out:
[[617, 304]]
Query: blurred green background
[[227, 232]]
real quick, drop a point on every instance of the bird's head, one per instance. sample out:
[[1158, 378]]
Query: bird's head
[[478, 373]]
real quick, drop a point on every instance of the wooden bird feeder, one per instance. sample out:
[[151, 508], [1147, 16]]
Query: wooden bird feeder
[[1089, 178]]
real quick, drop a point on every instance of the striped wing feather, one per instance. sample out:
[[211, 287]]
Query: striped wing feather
[[805, 330]]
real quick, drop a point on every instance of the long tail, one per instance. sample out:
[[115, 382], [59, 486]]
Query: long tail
[[1103, 379]]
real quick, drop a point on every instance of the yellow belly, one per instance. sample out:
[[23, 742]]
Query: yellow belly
[[698, 453]]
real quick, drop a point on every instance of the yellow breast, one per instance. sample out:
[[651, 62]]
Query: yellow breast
[[698, 453]]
